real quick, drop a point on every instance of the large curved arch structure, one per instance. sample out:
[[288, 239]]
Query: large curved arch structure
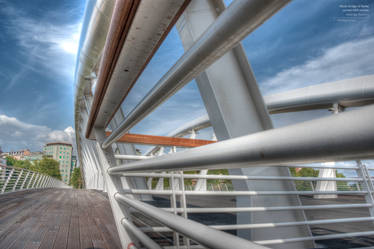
[[253, 193]]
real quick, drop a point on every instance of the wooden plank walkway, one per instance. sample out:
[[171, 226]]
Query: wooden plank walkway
[[57, 219]]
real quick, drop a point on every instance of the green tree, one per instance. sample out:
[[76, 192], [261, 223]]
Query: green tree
[[76, 178], [304, 172], [10, 161], [25, 164], [47, 166], [308, 172]]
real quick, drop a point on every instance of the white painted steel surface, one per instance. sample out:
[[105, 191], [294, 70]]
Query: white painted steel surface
[[137, 184]]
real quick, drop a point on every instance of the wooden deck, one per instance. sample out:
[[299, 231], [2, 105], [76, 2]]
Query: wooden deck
[[57, 218]]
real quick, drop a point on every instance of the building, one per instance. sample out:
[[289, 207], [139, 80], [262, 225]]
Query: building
[[73, 164], [61, 152], [34, 156], [19, 155]]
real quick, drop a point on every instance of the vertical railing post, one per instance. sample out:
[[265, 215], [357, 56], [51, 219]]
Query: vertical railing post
[[24, 180], [7, 181], [31, 179], [41, 181], [18, 178], [45, 184], [48, 183], [35, 180], [113, 185], [41, 184], [173, 205], [362, 172], [183, 202]]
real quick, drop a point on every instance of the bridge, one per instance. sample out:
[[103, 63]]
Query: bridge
[[239, 188]]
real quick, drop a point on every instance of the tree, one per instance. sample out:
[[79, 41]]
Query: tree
[[76, 178], [10, 161], [308, 172], [25, 164], [47, 166]]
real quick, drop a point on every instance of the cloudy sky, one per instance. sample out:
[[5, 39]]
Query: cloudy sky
[[38, 44], [307, 42]]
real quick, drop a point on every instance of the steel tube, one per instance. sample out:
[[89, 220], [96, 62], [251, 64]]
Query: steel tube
[[350, 92], [132, 157], [321, 237], [142, 237], [308, 142], [268, 225], [240, 193], [235, 23], [238, 177], [264, 209], [202, 234]]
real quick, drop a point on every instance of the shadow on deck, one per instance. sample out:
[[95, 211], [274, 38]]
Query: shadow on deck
[[57, 218]]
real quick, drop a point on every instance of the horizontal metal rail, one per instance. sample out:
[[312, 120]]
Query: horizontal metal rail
[[242, 177], [349, 92], [149, 243], [269, 225], [319, 166], [191, 229], [291, 144], [265, 209], [239, 193], [235, 23], [321, 237], [132, 157]]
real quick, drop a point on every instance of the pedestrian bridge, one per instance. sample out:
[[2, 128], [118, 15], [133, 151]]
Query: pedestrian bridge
[[247, 184]]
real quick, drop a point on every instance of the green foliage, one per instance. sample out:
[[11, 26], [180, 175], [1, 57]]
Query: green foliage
[[10, 161], [46, 166], [76, 179], [25, 164], [308, 172]]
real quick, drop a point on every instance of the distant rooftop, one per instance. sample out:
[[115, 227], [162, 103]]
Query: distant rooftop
[[59, 143]]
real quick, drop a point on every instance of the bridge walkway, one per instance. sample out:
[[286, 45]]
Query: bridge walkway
[[57, 218]]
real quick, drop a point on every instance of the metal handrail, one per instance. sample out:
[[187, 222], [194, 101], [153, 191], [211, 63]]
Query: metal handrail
[[194, 230], [19, 179], [349, 92], [235, 23], [313, 141], [291, 144], [241, 177], [140, 235]]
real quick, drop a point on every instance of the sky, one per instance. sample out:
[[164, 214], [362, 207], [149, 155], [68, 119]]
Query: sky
[[306, 43], [38, 45]]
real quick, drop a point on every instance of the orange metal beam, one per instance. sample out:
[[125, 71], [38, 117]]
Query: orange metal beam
[[161, 140]]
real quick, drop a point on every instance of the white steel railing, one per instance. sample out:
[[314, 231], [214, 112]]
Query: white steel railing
[[16, 179], [258, 201]]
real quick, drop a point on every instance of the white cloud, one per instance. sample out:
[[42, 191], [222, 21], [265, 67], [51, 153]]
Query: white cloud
[[347, 60], [49, 48], [15, 135]]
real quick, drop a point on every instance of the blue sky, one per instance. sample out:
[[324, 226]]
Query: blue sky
[[307, 42], [38, 45]]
